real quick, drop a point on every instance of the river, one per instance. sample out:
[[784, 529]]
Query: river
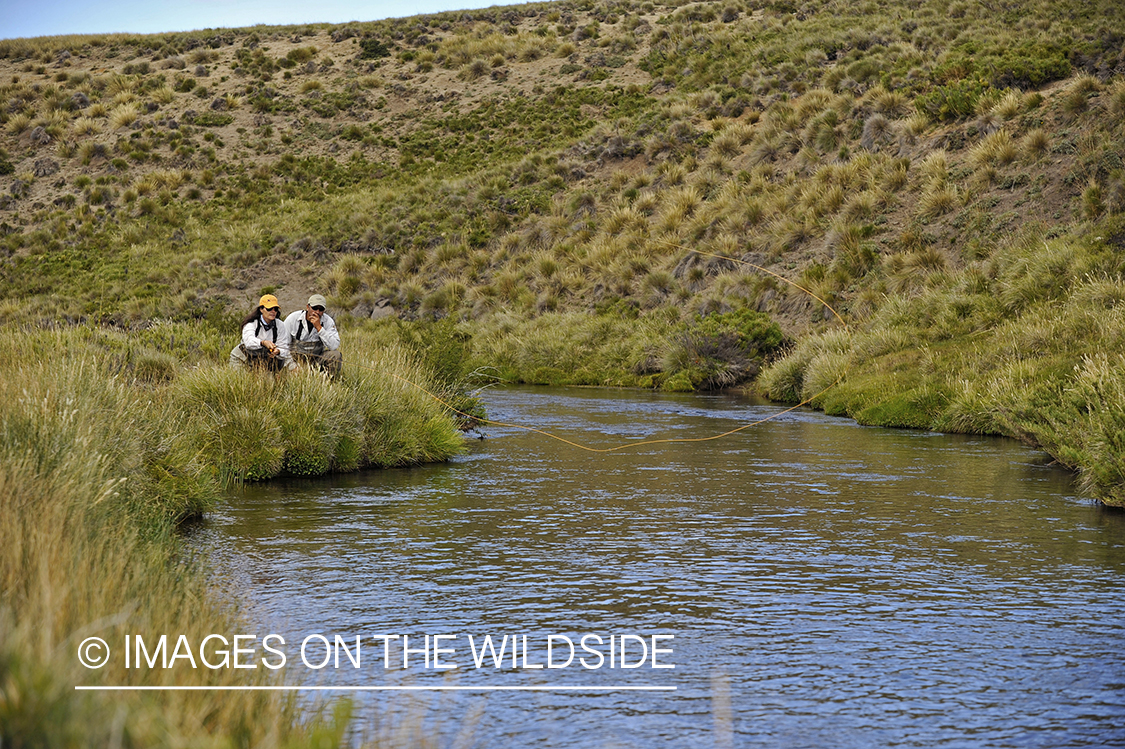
[[823, 583]]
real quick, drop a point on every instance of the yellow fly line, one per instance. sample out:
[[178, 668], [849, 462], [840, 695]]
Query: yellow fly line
[[663, 441]]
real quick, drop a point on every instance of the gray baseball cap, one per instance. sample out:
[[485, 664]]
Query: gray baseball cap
[[316, 300]]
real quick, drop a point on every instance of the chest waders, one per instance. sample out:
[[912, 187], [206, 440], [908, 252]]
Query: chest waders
[[303, 347], [259, 358]]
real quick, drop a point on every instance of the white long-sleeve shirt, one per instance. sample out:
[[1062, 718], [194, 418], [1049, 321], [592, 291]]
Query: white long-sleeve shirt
[[254, 331], [301, 329]]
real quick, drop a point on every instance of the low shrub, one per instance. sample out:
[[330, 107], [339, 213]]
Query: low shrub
[[213, 119], [721, 350], [954, 101], [371, 49]]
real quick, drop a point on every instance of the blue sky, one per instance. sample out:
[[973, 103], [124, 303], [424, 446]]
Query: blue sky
[[20, 18]]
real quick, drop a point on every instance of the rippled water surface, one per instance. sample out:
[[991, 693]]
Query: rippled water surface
[[827, 585]]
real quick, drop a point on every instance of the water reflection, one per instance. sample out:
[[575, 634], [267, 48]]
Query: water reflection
[[844, 586]]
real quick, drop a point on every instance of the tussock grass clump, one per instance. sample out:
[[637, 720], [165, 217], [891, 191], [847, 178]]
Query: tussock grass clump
[[727, 144], [241, 435], [124, 97], [1095, 440], [18, 124], [1010, 105], [788, 379], [877, 132], [938, 200], [123, 115], [1116, 100], [474, 69], [85, 126], [679, 205], [1093, 200], [917, 123], [164, 95], [935, 166], [997, 149], [163, 179], [891, 103], [1035, 143]]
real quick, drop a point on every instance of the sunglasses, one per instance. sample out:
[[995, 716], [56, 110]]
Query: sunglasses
[[273, 309], [318, 308]]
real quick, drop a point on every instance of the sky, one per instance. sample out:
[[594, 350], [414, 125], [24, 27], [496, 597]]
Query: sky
[[24, 18]]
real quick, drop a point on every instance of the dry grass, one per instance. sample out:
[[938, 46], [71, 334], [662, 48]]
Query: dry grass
[[164, 95], [123, 115], [934, 167], [84, 550], [120, 84], [938, 200], [917, 123], [1116, 103], [104, 442], [18, 124], [1035, 143], [85, 126], [1009, 106], [997, 149]]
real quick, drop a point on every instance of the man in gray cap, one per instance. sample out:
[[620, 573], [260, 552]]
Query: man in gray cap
[[315, 339]]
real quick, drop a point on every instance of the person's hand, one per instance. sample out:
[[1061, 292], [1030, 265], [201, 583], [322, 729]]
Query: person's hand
[[313, 317], [270, 346]]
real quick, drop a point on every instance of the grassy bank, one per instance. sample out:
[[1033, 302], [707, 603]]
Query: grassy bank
[[105, 442], [238, 426], [1026, 344], [625, 348]]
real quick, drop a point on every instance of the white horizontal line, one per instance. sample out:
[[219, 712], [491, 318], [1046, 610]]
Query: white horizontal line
[[377, 689]]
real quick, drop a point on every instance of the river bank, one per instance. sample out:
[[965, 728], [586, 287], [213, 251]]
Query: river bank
[[1027, 345], [106, 442]]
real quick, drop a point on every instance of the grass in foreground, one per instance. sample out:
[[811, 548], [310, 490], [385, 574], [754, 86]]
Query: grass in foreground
[[104, 445]]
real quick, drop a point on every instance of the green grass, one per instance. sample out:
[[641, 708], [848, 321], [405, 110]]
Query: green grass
[[1028, 351], [95, 473], [527, 125], [107, 441], [655, 349]]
